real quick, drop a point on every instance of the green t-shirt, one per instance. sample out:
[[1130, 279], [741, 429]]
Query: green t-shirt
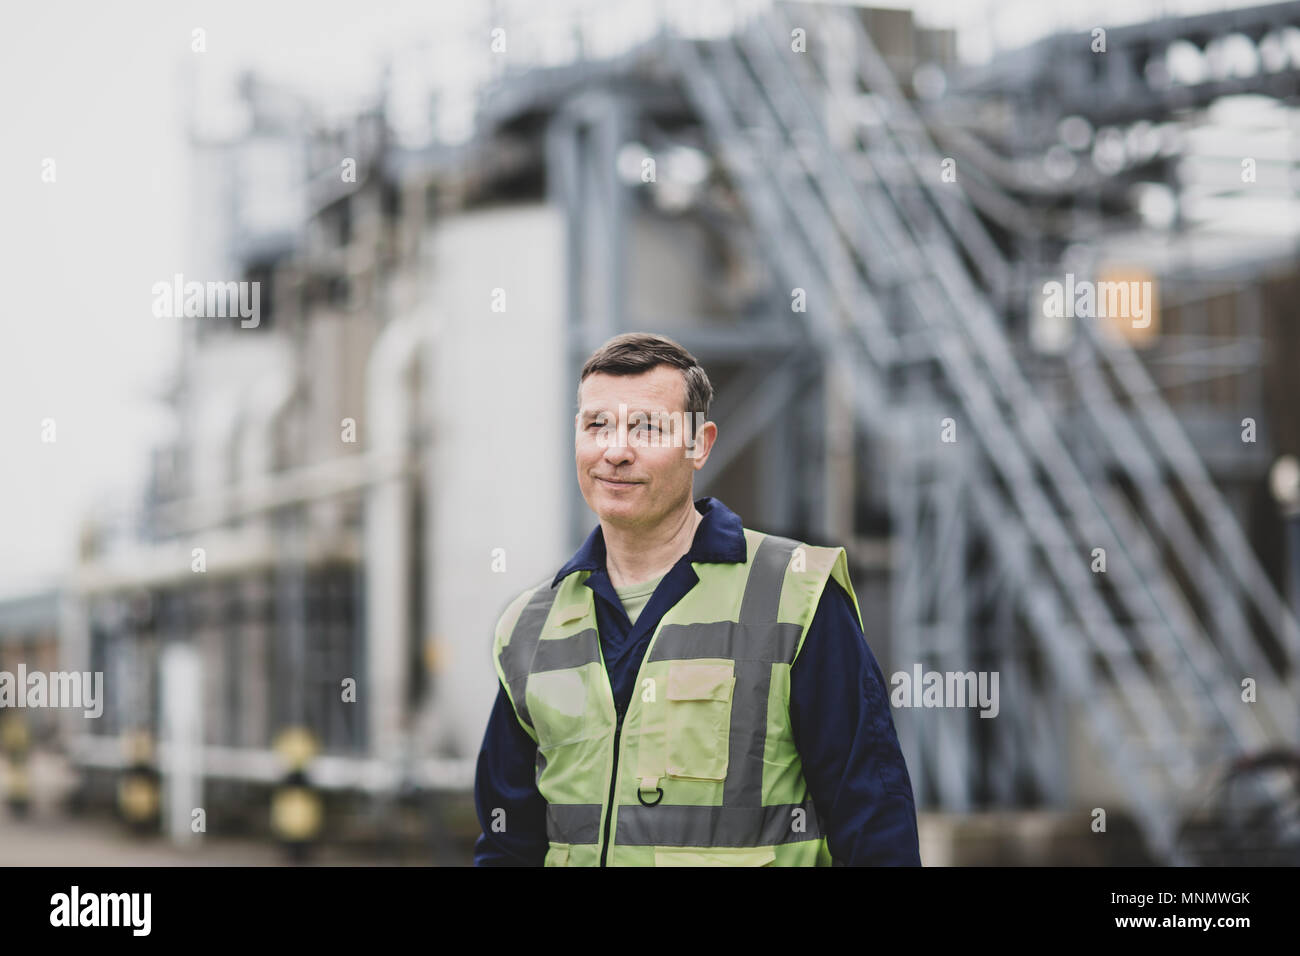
[[636, 596]]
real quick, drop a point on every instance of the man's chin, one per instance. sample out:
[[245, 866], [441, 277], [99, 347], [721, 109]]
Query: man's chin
[[612, 510], [619, 510]]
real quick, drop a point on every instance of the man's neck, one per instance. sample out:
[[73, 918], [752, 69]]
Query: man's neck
[[634, 555]]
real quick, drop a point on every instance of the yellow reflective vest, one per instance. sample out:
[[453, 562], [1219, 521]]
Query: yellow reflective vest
[[703, 768]]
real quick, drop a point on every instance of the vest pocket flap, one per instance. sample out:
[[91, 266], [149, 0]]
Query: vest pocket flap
[[693, 681], [571, 612], [714, 856]]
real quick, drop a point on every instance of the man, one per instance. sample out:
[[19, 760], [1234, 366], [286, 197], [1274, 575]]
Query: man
[[684, 691]]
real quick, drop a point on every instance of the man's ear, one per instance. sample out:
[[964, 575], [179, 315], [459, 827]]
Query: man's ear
[[702, 443]]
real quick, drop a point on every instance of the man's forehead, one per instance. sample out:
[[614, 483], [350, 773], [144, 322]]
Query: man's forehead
[[652, 412], [601, 392]]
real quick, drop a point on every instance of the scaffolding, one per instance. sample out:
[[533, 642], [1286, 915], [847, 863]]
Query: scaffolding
[[1071, 538]]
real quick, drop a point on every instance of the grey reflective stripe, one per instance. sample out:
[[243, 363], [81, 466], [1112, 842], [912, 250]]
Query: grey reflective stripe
[[684, 642], [743, 786], [716, 826], [762, 597], [758, 611], [517, 656], [574, 823], [557, 654]]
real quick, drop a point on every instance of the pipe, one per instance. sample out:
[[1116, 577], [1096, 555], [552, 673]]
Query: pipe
[[387, 541]]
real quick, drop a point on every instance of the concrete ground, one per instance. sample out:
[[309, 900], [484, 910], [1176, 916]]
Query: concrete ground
[[49, 835]]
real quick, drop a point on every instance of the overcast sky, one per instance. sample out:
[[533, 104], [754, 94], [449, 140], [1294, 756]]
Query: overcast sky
[[105, 91]]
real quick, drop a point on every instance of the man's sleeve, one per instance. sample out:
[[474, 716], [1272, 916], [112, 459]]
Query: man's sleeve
[[510, 809], [844, 732]]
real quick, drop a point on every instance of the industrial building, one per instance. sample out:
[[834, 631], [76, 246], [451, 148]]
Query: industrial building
[[856, 236]]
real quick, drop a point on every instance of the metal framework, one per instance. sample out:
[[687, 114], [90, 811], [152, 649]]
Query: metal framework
[[994, 536], [905, 385], [1150, 654]]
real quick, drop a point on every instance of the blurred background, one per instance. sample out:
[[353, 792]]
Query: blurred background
[[284, 544]]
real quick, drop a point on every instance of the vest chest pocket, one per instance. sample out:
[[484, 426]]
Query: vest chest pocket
[[699, 718]]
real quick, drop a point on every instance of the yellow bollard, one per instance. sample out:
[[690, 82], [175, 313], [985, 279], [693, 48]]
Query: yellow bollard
[[15, 741], [139, 787], [297, 810]]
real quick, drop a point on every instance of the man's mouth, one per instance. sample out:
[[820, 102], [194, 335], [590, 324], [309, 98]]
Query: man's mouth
[[616, 481]]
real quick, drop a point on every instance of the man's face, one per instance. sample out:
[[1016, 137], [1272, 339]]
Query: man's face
[[631, 442]]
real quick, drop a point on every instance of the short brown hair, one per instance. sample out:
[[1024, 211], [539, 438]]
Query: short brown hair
[[635, 352]]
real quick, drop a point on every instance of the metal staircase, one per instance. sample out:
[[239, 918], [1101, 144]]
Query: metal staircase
[[908, 291]]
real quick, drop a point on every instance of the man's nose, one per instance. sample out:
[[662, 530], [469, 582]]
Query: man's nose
[[618, 446]]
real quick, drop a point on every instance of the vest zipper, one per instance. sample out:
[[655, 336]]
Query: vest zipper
[[618, 728], [613, 783]]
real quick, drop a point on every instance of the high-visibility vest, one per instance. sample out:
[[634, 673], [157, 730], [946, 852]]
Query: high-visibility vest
[[703, 769]]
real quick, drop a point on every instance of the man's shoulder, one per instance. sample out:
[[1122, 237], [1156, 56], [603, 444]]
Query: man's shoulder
[[820, 574], [804, 556], [510, 615]]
